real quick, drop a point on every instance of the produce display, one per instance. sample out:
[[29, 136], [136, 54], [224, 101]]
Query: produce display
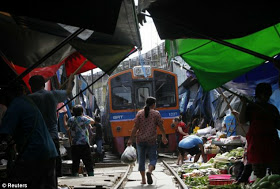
[[269, 181], [209, 175], [196, 174], [197, 182]]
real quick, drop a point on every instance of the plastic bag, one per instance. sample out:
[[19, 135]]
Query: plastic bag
[[129, 155]]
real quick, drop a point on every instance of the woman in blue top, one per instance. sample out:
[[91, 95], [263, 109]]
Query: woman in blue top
[[80, 126]]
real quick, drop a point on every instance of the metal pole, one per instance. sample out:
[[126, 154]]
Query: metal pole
[[75, 72], [251, 102], [112, 68], [231, 109], [62, 44], [91, 79], [78, 93]]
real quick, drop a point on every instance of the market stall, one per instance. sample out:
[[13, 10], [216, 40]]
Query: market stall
[[224, 165]]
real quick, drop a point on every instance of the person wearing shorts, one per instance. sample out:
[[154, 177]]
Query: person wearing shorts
[[193, 145]]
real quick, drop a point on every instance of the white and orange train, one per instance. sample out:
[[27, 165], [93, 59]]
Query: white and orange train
[[126, 94]]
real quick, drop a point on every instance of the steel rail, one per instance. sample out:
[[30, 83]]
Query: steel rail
[[123, 178], [181, 182]]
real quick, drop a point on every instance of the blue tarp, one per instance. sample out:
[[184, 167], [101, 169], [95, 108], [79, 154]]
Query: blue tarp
[[246, 84]]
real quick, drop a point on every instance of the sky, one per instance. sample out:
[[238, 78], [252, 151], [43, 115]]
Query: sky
[[149, 38], [149, 35]]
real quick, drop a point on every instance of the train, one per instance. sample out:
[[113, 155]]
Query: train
[[126, 95]]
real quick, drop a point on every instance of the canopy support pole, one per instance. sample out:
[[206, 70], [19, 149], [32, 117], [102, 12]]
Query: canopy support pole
[[54, 50], [231, 109], [74, 73], [225, 43]]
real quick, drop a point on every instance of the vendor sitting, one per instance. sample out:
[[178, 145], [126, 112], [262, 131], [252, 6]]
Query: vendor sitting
[[193, 145]]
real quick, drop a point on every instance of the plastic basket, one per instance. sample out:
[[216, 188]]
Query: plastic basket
[[222, 179], [220, 182]]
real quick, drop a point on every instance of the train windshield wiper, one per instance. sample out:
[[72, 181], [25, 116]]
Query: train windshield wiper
[[160, 86]]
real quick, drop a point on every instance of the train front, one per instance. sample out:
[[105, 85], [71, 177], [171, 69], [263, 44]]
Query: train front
[[128, 91]]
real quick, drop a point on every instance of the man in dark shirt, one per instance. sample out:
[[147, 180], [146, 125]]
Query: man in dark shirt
[[47, 103], [35, 164]]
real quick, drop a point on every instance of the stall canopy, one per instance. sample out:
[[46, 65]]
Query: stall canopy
[[176, 19], [215, 64], [28, 33], [219, 40]]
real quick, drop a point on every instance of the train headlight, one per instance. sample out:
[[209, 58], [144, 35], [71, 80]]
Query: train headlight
[[119, 128]]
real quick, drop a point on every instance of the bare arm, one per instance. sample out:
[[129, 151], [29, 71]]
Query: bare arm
[[201, 147], [163, 138], [70, 85], [65, 118], [182, 132], [134, 130], [91, 120]]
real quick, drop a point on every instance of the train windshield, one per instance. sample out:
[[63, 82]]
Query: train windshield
[[142, 90], [121, 98], [165, 91]]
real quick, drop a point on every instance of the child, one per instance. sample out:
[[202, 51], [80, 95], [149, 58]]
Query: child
[[79, 126], [98, 137]]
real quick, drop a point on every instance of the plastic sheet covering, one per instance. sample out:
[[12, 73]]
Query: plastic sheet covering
[[246, 83]]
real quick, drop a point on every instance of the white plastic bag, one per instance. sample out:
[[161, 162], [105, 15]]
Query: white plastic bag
[[129, 155]]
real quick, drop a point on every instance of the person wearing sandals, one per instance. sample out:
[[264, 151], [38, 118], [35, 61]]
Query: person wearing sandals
[[145, 128]]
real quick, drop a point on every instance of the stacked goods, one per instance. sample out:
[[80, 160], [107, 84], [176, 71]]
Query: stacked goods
[[223, 161]]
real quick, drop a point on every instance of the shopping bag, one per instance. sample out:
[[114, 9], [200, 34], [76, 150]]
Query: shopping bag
[[129, 155]]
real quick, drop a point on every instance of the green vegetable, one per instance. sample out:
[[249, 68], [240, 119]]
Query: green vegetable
[[274, 178], [229, 186], [260, 181], [256, 183], [264, 179], [278, 184], [264, 184], [196, 181], [273, 187]]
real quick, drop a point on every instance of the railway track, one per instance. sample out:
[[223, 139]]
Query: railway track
[[116, 175], [174, 173], [132, 177]]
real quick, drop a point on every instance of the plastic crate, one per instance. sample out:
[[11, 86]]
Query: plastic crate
[[222, 179], [216, 182]]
